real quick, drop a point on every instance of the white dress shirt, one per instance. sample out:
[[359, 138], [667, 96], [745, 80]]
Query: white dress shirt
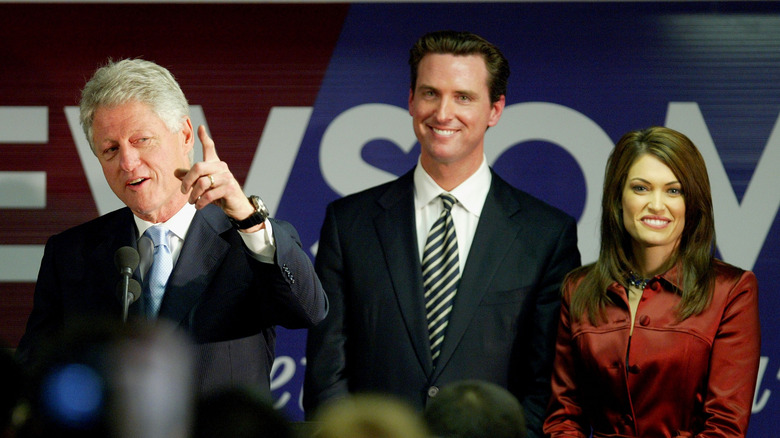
[[471, 195], [260, 244]]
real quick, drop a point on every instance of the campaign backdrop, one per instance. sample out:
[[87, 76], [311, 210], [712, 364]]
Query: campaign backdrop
[[308, 103]]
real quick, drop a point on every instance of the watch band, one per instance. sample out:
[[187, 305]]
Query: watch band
[[256, 218]]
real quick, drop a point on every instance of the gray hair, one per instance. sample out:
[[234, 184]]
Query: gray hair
[[128, 80]]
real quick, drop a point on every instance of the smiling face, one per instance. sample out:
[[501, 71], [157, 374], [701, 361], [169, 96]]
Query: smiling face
[[139, 154], [451, 110], [653, 207]]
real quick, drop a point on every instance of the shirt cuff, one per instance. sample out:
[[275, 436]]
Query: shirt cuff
[[261, 243]]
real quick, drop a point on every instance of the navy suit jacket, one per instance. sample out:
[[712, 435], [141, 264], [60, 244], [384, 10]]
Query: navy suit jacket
[[503, 325], [227, 301]]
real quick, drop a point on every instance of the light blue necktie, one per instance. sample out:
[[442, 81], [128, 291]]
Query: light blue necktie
[[441, 274], [159, 271]]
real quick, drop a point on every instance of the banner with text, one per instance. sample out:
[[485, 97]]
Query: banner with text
[[308, 103]]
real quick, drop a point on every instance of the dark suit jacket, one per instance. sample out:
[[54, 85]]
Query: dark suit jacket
[[503, 325], [224, 299]]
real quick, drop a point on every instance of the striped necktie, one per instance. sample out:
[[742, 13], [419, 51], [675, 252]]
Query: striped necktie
[[441, 274], [157, 276]]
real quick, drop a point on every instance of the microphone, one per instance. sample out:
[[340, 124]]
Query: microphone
[[126, 260], [133, 290]]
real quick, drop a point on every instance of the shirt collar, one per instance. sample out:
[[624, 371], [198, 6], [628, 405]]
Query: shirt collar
[[672, 278], [471, 193], [179, 224]]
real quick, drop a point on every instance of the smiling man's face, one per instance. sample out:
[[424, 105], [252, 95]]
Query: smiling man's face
[[451, 109], [138, 154]]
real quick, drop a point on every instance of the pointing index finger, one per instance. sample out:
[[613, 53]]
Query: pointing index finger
[[209, 149]]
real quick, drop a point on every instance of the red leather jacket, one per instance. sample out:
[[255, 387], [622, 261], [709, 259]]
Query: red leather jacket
[[695, 378]]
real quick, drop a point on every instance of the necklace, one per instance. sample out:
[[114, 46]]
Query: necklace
[[636, 281]]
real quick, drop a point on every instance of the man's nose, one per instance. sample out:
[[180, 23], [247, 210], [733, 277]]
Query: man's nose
[[445, 109], [128, 157]]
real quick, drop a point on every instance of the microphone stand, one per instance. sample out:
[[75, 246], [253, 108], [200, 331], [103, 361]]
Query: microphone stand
[[126, 299], [126, 260], [129, 290]]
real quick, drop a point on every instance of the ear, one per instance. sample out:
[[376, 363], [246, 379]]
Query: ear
[[188, 136], [497, 108], [411, 98]]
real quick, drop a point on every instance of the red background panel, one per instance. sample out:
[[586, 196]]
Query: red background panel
[[236, 61]]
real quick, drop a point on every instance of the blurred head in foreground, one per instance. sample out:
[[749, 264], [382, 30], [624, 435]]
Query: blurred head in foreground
[[368, 416]]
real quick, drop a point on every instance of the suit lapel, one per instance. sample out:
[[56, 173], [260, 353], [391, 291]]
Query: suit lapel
[[395, 227], [203, 250], [494, 235], [114, 234]]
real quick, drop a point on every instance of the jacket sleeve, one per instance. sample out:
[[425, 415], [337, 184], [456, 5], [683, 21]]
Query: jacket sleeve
[[736, 353], [299, 299], [565, 414], [563, 259], [46, 317], [326, 343]]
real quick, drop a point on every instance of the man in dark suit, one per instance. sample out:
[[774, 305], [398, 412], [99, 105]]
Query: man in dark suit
[[232, 272], [492, 313]]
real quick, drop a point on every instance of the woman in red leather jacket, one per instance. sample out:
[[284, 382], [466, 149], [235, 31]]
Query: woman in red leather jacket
[[657, 338]]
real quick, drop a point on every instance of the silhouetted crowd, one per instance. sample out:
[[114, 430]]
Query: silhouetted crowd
[[104, 379]]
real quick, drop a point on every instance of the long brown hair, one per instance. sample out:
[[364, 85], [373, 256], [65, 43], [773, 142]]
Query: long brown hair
[[695, 252]]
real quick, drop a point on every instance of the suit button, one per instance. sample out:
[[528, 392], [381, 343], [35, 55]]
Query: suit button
[[634, 369], [644, 320], [432, 391]]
